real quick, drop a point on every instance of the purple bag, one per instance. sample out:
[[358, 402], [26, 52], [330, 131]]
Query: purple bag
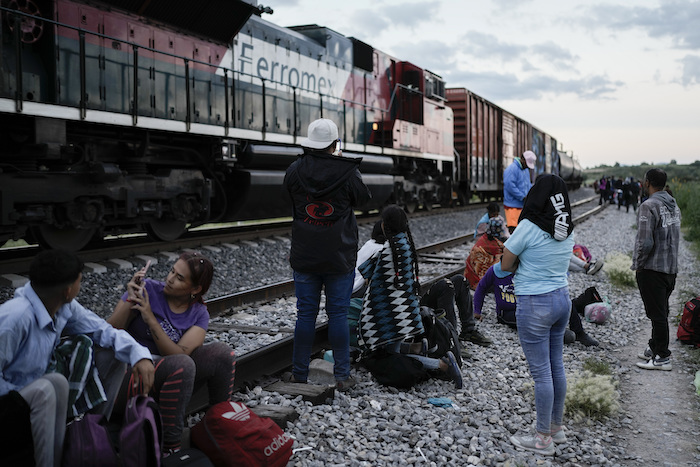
[[141, 433], [87, 443]]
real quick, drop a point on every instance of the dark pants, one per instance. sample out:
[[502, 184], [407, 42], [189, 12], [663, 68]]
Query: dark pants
[[443, 296], [178, 376], [655, 288]]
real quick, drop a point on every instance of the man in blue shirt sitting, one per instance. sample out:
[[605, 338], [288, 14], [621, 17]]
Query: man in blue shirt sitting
[[31, 326]]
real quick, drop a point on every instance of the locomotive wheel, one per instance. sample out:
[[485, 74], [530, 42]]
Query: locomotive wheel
[[51, 237], [166, 230]]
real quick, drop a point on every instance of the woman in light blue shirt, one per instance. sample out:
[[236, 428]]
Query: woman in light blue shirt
[[538, 252]]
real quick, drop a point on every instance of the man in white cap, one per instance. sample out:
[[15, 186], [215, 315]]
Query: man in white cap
[[516, 185], [324, 189]]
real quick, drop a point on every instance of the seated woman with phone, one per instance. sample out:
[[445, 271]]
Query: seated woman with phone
[[171, 319]]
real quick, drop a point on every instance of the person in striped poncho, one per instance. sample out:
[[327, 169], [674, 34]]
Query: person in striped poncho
[[390, 314]]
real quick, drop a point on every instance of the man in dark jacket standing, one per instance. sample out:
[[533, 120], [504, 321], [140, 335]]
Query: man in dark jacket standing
[[324, 189], [656, 262]]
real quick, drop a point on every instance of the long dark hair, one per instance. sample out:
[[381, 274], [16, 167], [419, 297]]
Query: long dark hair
[[394, 222], [201, 272]]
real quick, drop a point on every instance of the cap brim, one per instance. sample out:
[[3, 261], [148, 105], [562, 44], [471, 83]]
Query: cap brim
[[307, 143]]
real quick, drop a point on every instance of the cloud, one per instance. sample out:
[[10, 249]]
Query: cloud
[[436, 56], [412, 14], [489, 47], [691, 70], [366, 23], [508, 86], [370, 22], [676, 19]]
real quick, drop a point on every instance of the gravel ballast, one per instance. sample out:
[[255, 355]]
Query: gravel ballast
[[374, 425]]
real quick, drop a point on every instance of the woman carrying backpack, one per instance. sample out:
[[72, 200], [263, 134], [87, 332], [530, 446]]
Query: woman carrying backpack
[[390, 316], [538, 252]]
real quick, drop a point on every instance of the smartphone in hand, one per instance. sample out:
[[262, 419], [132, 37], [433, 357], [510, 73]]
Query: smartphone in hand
[[145, 270]]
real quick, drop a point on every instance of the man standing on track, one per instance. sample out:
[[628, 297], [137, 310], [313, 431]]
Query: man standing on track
[[516, 185], [656, 262], [324, 189]]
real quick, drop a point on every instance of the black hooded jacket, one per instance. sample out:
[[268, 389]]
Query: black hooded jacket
[[324, 190]]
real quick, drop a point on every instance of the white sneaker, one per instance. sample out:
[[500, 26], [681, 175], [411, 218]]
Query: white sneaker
[[656, 363], [535, 443], [559, 437], [646, 355]]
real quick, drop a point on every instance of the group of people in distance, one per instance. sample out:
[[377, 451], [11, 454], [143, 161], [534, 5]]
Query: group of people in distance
[[153, 343]]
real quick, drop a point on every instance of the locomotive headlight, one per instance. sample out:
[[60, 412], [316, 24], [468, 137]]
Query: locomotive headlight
[[375, 126], [228, 151]]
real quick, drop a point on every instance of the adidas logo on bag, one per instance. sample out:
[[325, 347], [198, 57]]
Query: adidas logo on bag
[[240, 412], [277, 443]]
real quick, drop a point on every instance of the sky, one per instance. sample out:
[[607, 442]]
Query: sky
[[612, 81]]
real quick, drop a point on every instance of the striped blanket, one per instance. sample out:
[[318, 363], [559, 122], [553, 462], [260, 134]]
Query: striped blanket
[[73, 358]]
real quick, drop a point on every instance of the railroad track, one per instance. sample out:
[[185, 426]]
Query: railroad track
[[17, 260], [263, 363]]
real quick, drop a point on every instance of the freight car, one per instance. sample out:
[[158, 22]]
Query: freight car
[[160, 115], [488, 138]]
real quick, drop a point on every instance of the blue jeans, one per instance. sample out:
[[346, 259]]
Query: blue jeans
[[541, 322], [338, 288]]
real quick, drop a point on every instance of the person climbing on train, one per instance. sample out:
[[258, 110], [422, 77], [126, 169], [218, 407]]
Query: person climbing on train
[[170, 318], [390, 319], [324, 245], [516, 185]]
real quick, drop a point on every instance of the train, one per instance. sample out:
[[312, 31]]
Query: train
[[157, 116]]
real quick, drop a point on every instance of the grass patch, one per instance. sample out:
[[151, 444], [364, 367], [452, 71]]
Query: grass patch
[[591, 396], [596, 367], [617, 266]]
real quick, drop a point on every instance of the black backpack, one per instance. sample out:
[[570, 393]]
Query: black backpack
[[442, 336]]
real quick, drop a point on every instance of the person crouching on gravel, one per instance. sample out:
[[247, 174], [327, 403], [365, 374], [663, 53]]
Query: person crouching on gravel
[[538, 253], [390, 313]]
